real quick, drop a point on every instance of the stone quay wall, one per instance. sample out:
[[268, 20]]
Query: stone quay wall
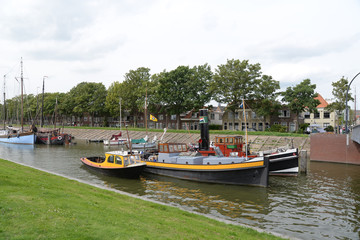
[[257, 143]]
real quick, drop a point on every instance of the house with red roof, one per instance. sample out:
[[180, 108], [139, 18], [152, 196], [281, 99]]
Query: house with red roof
[[323, 118]]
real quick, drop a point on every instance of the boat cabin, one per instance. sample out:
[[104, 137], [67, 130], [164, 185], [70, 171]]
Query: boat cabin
[[121, 158], [172, 147], [230, 146]]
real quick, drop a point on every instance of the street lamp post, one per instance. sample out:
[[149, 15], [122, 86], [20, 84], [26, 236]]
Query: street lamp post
[[347, 111]]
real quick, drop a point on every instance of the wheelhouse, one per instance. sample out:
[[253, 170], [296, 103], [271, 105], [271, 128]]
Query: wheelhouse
[[172, 147], [122, 158]]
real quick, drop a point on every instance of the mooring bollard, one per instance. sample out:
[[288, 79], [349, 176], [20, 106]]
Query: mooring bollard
[[303, 161]]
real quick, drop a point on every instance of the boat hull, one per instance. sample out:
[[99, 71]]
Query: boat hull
[[143, 146], [123, 172], [22, 138], [253, 174], [284, 163], [54, 140], [115, 142]]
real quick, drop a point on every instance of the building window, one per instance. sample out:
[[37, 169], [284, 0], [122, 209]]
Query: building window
[[161, 117], [212, 116], [230, 126], [292, 127], [306, 115], [325, 125], [173, 117], [326, 114], [284, 113], [236, 126], [260, 126], [225, 126], [284, 124], [253, 115], [254, 126], [237, 115], [316, 115], [267, 125], [220, 116]]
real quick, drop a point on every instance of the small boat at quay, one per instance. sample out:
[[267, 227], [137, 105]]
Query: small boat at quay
[[115, 139], [143, 143], [282, 160], [17, 136], [123, 164], [52, 137], [174, 160]]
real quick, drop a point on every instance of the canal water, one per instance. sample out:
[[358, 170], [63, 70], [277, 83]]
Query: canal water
[[324, 204]]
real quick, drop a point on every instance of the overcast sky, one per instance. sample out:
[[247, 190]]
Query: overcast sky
[[72, 41]]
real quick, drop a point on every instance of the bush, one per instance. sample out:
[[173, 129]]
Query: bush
[[303, 127], [329, 128], [215, 127], [276, 128]]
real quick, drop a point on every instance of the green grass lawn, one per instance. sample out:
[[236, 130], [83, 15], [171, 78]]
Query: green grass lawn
[[39, 205], [215, 132]]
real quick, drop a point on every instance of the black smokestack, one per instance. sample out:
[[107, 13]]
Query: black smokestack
[[204, 130]]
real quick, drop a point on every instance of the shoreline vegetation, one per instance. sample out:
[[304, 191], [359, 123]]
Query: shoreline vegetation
[[214, 132], [40, 205]]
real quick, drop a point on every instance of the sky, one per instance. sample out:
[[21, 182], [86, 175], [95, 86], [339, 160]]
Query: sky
[[71, 42]]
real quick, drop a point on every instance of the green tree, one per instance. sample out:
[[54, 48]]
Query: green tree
[[339, 92], [133, 91], [265, 103], [113, 99], [301, 97], [86, 97], [234, 81], [184, 89]]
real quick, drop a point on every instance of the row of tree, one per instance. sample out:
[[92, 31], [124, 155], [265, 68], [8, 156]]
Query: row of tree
[[177, 91]]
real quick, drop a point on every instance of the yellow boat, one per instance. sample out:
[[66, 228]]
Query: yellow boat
[[117, 163]]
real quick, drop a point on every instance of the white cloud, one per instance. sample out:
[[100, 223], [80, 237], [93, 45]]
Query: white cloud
[[99, 41]]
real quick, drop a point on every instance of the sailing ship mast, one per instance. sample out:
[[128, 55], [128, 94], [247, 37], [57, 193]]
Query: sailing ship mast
[[22, 96], [246, 133], [146, 112], [4, 108]]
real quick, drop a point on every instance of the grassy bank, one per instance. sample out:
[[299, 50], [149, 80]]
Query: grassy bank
[[39, 205], [215, 132]]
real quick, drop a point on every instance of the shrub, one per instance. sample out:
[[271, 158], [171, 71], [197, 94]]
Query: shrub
[[329, 128], [276, 128], [215, 127]]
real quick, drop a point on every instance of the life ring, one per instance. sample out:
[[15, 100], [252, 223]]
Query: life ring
[[59, 138]]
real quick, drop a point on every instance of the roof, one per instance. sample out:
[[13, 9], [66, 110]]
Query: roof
[[323, 103]]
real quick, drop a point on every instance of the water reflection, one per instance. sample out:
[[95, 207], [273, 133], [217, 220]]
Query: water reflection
[[324, 204]]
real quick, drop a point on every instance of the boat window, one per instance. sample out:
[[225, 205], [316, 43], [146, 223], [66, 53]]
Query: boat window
[[171, 148], [221, 140], [166, 148], [111, 159], [118, 160], [137, 157], [126, 161], [132, 159], [226, 140], [161, 148], [231, 140], [175, 148], [184, 147]]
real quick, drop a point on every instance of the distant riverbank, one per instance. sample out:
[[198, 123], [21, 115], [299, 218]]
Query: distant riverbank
[[257, 142]]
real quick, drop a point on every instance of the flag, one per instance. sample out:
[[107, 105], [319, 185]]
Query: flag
[[152, 118], [203, 120]]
